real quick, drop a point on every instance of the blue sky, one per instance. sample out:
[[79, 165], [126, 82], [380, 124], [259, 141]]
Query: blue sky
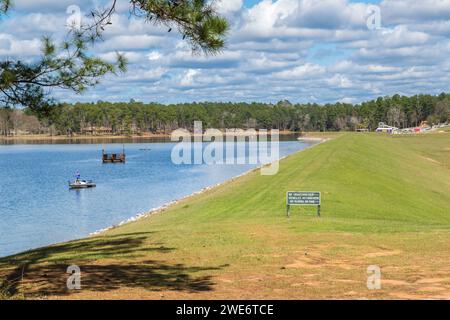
[[250, 3], [301, 50]]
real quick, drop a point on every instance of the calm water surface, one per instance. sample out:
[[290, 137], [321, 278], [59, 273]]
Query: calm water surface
[[37, 208]]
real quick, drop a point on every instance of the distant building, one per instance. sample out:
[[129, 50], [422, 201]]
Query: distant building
[[384, 128]]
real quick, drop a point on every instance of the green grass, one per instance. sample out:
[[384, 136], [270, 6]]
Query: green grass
[[361, 177], [385, 201]]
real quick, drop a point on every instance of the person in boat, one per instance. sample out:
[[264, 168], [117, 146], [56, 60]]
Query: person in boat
[[79, 183]]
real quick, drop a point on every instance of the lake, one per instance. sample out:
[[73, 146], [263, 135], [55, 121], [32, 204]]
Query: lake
[[37, 208]]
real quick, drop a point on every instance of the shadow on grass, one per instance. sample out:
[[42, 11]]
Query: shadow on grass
[[43, 272]]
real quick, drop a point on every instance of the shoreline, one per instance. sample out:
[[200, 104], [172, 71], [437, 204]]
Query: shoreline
[[46, 137], [164, 207]]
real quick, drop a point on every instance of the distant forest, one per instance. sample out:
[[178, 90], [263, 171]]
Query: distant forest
[[134, 118]]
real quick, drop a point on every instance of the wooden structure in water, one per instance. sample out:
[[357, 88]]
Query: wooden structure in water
[[113, 157]]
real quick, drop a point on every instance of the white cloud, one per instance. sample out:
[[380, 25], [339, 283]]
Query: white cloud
[[154, 55], [340, 81], [10, 46], [301, 50], [188, 78], [409, 11], [131, 42], [304, 71], [228, 6]]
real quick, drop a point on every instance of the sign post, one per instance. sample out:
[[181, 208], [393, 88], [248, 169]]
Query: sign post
[[303, 198]]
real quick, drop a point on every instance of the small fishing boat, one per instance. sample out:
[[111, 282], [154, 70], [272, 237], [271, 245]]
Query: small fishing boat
[[81, 184]]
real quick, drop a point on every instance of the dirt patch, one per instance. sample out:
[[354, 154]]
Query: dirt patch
[[431, 289], [431, 294], [347, 281], [383, 253], [300, 264], [405, 296], [313, 284], [395, 282], [433, 280], [316, 257], [431, 160]]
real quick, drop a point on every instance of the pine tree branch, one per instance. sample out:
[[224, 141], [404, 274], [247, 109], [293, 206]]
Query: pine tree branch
[[70, 67]]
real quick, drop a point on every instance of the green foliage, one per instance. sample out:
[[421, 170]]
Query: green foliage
[[67, 67], [4, 6], [196, 20], [135, 117]]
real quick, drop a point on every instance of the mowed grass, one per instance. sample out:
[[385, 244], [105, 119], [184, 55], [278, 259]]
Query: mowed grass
[[386, 202]]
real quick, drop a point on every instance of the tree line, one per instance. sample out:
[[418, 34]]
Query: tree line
[[134, 118]]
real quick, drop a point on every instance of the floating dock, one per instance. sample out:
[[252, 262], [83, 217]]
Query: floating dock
[[114, 157]]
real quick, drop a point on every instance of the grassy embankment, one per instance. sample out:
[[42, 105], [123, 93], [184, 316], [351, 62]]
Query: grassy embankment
[[386, 202]]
